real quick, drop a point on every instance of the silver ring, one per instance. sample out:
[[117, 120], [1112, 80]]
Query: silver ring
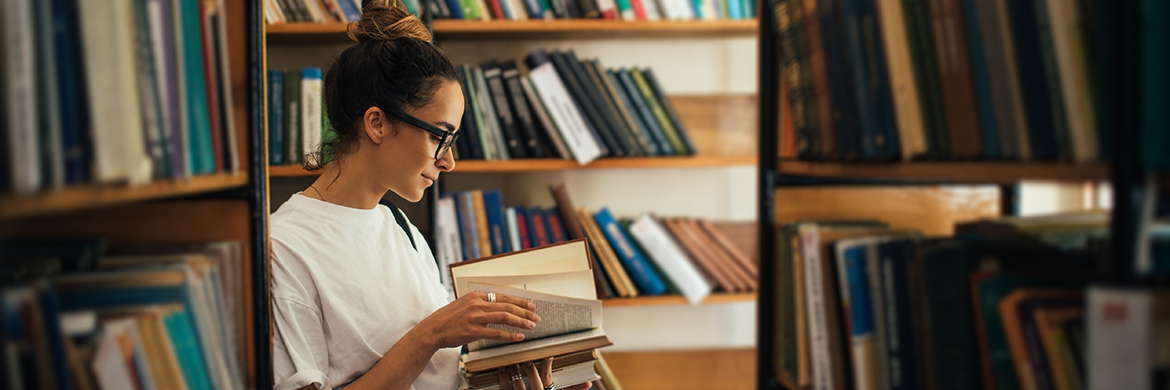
[[492, 297], [550, 387], [517, 377]]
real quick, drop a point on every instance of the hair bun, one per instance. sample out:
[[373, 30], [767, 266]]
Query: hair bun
[[387, 20]]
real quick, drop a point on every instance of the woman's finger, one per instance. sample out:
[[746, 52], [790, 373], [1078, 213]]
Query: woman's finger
[[534, 380], [505, 318], [502, 373], [496, 334], [515, 301], [515, 310], [545, 369], [517, 382]]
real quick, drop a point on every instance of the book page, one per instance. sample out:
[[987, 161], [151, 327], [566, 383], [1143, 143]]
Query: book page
[[558, 314], [533, 344], [575, 284], [563, 257]]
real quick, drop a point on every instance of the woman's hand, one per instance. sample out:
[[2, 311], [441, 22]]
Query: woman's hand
[[539, 377], [466, 319]]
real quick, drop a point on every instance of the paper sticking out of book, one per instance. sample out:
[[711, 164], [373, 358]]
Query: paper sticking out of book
[[558, 278]]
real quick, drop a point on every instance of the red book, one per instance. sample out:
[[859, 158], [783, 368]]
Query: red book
[[209, 56], [522, 228], [639, 10], [557, 230], [495, 9], [536, 217]]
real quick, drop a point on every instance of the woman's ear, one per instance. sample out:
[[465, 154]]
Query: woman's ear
[[375, 125]]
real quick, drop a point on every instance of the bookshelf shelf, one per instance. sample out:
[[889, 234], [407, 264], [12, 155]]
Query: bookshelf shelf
[[957, 172], [100, 195], [576, 28], [666, 300], [552, 164]]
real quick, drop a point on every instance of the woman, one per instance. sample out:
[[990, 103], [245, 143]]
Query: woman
[[355, 293]]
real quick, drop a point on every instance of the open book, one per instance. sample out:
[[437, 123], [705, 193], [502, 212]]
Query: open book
[[558, 278]]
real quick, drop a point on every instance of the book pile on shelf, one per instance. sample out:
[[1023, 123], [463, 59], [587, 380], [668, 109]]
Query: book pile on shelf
[[344, 11], [296, 115], [562, 107], [157, 317], [646, 256], [123, 91], [1006, 303], [954, 80]]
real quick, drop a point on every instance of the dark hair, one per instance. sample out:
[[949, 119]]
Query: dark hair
[[393, 66]]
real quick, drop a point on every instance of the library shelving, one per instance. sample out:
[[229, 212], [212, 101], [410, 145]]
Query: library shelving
[[545, 29], [82, 197], [1124, 172]]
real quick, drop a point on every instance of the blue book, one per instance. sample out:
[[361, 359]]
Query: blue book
[[638, 124], [855, 267], [456, 9], [556, 229], [467, 230], [200, 156], [535, 11], [1155, 89], [734, 9], [493, 204], [981, 81], [643, 110], [187, 350], [72, 92], [537, 230], [643, 275], [351, 11], [275, 117], [522, 227], [51, 320]]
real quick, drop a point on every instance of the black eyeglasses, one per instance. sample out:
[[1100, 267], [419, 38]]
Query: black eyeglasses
[[446, 137]]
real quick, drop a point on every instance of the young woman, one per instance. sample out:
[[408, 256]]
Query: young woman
[[355, 292]]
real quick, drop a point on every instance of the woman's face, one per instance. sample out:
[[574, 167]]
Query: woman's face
[[409, 156]]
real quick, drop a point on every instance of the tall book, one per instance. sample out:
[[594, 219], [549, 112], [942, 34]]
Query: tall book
[[1073, 76], [907, 107], [981, 82], [593, 92], [998, 55], [635, 263], [162, 30], [955, 80], [525, 122], [483, 232], [293, 116], [587, 106], [493, 203], [636, 139], [561, 108], [471, 118], [641, 109], [622, 283], [311, 131], [276, 117], [546, 122], [663, 250], [20, 97], [1045, 123], [922, 50], [201, 154], [624, 109], [49, 94], [223, 76], [70, 77], [871, 83], [211, 85], [514, 141], [574, 230], [668, 108], [492, 138], [449, 249]]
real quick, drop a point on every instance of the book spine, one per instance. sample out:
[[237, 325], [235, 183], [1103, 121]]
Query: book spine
[[471, 122], [926, 73], [467, 225], [577, 87], [555, 227], [604, 103], [275, 116], [1056, 91], [539, 232], [1007, 105], [163, 35], [493, 145], [482, 232], [625, 108], [155, 131], [72, 94], [955, 80], [494, 209], [790, 22], [546, 123], [670, 258], [564, 114], [621, 280], [1033, 80], [907, 106], [522, 223], [311, 112], [818, 327], [449, 240], [901, 343], [642, 110], [981, 80], [648, 282], [524, 120], [659, 114], [199, 127], [504, 114], [513, 229], [187, 350], [668, 107], [211, 87], [852, 270], [293, 125], [224, 81]]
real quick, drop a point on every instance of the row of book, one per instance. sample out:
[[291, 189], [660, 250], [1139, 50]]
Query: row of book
[[948, 80], [296, 115], [561, 106], [344, 11], [168, 317], [567, 370], [632, 257], [1004, 304], [114, 92]]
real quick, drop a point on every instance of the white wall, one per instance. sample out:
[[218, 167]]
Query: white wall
[[683, 66]]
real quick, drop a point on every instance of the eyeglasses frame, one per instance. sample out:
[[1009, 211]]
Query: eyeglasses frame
[[446, 137]]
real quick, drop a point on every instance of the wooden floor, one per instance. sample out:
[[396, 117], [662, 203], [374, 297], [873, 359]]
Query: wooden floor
[[685, 370]]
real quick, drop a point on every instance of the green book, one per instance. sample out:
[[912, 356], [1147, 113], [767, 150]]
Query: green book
[[1155, 93], [659, 114]]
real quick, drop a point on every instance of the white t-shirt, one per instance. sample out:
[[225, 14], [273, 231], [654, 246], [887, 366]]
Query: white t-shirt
[[346, 286]]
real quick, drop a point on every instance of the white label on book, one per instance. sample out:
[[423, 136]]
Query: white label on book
[[564, 113]]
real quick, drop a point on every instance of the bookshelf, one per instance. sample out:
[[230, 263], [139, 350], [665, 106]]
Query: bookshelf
[[550, 164], [666, 300], [229, 205], [518, 30], [779, 178]]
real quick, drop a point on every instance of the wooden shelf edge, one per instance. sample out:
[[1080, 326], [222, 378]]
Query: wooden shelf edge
[[552, 164], [667, 300], [957, 172], [100, 195]]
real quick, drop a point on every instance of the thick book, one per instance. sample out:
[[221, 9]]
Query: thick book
[[162, 27], [717, 255], [310, 112], [641, 109], [275, 116], [493, 203], [1074, 74], [528, 135], [201, 154], [668, 108], [449, 248], [483, 233], [656, 107], [871, 83], [537, 227], [981, 82], [632, 135], [587, 106], [70, 81], [567, 370], [574, 230], [523, 231], [999, 57], [546, 122], [903, 86], [491, 136], [556, 229], [635, 263], [469, 126], [622, 283], [662, 249], [702, 258], [561, 108], [211, 86], [958, 95], [1044, 123], [514, 141], [818, 91], [593, 92], [468, 225], [293, 118], [558, 278], [626, 110], [1018, 313], [795, 68]]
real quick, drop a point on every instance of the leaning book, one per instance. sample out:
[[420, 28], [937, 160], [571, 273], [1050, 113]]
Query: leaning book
[[557, 278]]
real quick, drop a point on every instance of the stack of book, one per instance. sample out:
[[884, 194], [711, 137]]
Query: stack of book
[[562, 107], [341, 11], [997, 80], [296, 115], [646, 256], [1004, 304], [168, 317], [122, 91]]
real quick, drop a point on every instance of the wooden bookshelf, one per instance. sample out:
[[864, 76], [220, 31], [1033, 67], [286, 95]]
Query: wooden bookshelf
[[667, 300], [101, 195], [554, 164], [302, 32], [950, 172]]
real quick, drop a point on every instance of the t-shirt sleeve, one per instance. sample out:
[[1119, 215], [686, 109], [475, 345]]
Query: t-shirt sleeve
[[299, 354]]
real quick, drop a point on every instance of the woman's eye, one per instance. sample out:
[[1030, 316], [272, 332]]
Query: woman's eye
[[436, 139]]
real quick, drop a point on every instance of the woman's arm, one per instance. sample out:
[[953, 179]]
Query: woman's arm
[[459, 322]]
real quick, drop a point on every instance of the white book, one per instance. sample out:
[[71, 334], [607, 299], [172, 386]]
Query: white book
[[152, 116], [513, 228], [686, 9], [20, 97], [205, 321], [315, 11], [484, 13], [1074, 78], [822, 377], [488, 110], [49, 106], [542, 115], [652, 11], [710, 11], [450, 249], [1127, 330], [519, 12], [671, 259], [310, 111], [272, 12], [564, 113], [108, 39], [110, 368], [606, 6]]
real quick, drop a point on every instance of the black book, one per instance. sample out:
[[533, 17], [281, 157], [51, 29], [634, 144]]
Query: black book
[[643, 110], [468, 143], [495, 83], [630, 112], [632, 134], [592, 116], [589, 9], [523, 114], [559, 9], [608, 116], [669, 108], [539, 58], [573, 8]]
